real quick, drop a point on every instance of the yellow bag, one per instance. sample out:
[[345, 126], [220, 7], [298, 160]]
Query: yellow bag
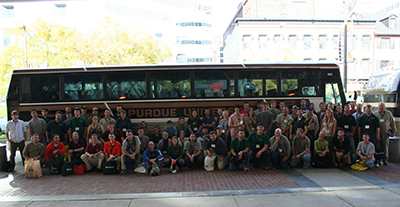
[[359, 167], [33, 169]]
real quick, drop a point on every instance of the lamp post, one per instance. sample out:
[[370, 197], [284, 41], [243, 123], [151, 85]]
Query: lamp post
[[26, 46]]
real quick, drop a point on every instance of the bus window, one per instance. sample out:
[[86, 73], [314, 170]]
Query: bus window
[[387, 98], [332, 94], [126, 86], [304, 83], [271, 85], [83, 87], [250, 84], [213, 84], [25, 89], [170, 85], [45, 88], [13, 91], [373, 98]]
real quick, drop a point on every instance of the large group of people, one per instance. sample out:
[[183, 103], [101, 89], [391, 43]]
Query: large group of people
[[265, 136]]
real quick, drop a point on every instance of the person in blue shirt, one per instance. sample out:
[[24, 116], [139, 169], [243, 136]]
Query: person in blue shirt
[[208, 120], [152, 158], [171, 129]]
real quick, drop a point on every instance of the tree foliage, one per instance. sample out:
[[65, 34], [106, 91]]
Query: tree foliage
[[55, 45]]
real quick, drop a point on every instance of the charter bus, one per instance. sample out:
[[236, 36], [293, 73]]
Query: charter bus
[[383, 86], [156, 93]]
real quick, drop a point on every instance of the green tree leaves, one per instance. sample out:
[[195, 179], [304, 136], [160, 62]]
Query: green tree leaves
[[54, 45]]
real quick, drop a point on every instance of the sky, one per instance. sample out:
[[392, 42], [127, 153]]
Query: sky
[[224, 11]]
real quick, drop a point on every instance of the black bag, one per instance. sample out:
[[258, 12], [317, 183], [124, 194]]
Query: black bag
[[55, 165], [68, 169], [233, 159], [380, 150], [6, 166], [109, 167]]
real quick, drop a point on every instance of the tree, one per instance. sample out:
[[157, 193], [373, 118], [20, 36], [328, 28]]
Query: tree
[[55, 45]]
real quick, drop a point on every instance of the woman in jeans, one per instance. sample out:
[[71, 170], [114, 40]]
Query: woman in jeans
[[328, 125], [250, 122], [174, 156]]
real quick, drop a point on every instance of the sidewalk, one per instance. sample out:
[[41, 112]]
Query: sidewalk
[[311, 187]]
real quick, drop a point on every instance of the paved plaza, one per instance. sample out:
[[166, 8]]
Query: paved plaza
[[196, 187]]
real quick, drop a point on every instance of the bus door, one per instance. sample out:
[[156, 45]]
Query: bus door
[[333, 88]]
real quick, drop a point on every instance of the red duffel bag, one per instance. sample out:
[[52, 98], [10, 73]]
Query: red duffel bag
[[79, 169]]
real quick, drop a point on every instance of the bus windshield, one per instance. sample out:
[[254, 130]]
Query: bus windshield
[[382, 83]]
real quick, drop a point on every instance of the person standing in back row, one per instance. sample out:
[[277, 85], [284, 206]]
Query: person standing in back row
[[388, 127], [266, 118], [16, 136]]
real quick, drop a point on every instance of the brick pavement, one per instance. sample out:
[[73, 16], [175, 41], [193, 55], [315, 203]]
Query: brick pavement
[[186, 180], [389, 173]]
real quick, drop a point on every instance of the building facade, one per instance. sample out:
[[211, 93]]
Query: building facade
[[184, 25]]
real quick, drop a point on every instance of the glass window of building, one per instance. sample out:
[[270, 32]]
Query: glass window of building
[[322, 42], [262, 42], [365, 65], [61, 9], [170, 85], [384, 63], [247, 42], [353, 42], [213, 84], [293, 41], [7, 11], [277, 38], [385, 43], [335, 41], [304, 83], [6, 38], [365, 42], [283, 7], [307, 42], [126, 86], [392, 23]]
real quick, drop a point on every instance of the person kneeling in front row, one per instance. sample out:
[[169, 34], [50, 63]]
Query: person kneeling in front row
[[130, 151], [193, 155], [93, 156], [76, 148], [152, 158], [280, 150], [240, 152], [55, 150], [301, 151], [322, 156], [259, 147], [112, 150], [216, 146], [35, 150], [174, 158], [366, 151]]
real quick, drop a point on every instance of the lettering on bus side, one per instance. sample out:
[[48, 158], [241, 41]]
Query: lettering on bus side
[[172, 112]]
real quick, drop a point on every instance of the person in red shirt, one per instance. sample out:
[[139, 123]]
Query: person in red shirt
[[112, 150], [245, 109], [55, 149]]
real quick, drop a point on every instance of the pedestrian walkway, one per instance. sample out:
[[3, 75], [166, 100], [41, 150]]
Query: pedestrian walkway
[[196, 187]]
